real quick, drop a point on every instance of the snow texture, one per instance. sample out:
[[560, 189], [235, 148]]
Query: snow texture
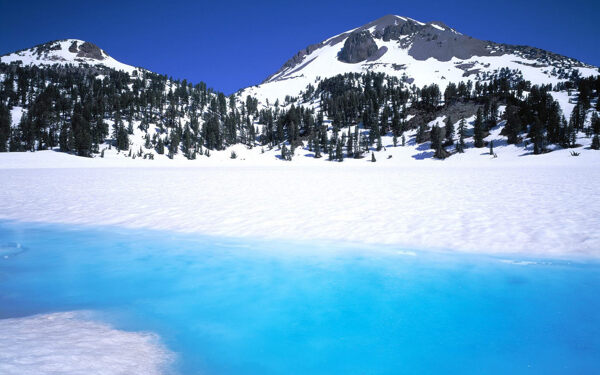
[[543, 206], [68, 343]]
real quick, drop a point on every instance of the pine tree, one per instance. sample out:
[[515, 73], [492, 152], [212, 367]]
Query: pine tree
[[5, 121], [571, 135], [478, 130], [577, 117], [339, 154], [596, 142], [538, 137], [82, 136], [461, 136], [317, 147], [122, 138], [512, 129], [595, 123], [285, 153], [437, 140], [160, 147], [449, 131], [492, 118], [421, 133]]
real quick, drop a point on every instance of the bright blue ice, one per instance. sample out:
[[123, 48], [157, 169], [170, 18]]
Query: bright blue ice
[[258, 307]]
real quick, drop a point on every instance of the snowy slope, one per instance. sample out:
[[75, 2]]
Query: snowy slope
[[452, 59], [541, 206], [67, 51]]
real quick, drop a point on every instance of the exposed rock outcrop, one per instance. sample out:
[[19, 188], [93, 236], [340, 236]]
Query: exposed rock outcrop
[[358, 47], [86, 50]]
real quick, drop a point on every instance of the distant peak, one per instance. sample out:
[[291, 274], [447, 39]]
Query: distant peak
[[65, 51]]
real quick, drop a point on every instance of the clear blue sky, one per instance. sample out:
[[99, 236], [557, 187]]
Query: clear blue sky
[[234, 44]]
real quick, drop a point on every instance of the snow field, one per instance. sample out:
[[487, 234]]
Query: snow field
[[69, 343], [535, 206]]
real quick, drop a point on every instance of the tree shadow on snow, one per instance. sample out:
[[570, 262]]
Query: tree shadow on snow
[[424, 146], [423, 155]]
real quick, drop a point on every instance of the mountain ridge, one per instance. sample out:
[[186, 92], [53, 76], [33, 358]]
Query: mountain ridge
[[393, 81], [401, 46], [389, 22]]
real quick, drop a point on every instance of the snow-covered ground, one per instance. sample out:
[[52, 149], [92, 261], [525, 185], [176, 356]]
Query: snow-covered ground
[[70, 343], [542, 206]]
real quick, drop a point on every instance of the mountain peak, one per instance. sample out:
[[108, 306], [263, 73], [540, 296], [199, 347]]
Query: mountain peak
[[63, 52], [417, 53]]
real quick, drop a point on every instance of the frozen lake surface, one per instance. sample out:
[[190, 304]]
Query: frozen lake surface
[[111, 300]]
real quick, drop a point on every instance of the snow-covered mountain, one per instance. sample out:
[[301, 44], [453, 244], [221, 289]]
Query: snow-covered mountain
[[418, 53], [395, 86], [67, 51], [55, 83]]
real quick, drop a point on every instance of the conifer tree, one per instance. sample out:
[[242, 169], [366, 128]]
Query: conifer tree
[[285, 153], [492, 120], [437, 140], [122, 138], [350, 144], [421, 133], [538, 136], [595, 123], [339, 154], [5, 121], [449, 131], [577, 117], [460, 146], [512, 128], [596, 142], [160, 147], [478, 130], [174, 144]]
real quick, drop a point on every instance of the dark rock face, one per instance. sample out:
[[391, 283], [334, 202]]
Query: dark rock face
[[358, 47], [443, 45], [85, 49], [90, 50], [73, 47], [380, 52], [394, 32], [44, 49]]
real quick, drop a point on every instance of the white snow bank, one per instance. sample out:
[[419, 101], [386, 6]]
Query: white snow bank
[[67, 343], [16, 113], [521, 207]]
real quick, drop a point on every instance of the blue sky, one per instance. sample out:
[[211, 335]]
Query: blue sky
[[234, 44]]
